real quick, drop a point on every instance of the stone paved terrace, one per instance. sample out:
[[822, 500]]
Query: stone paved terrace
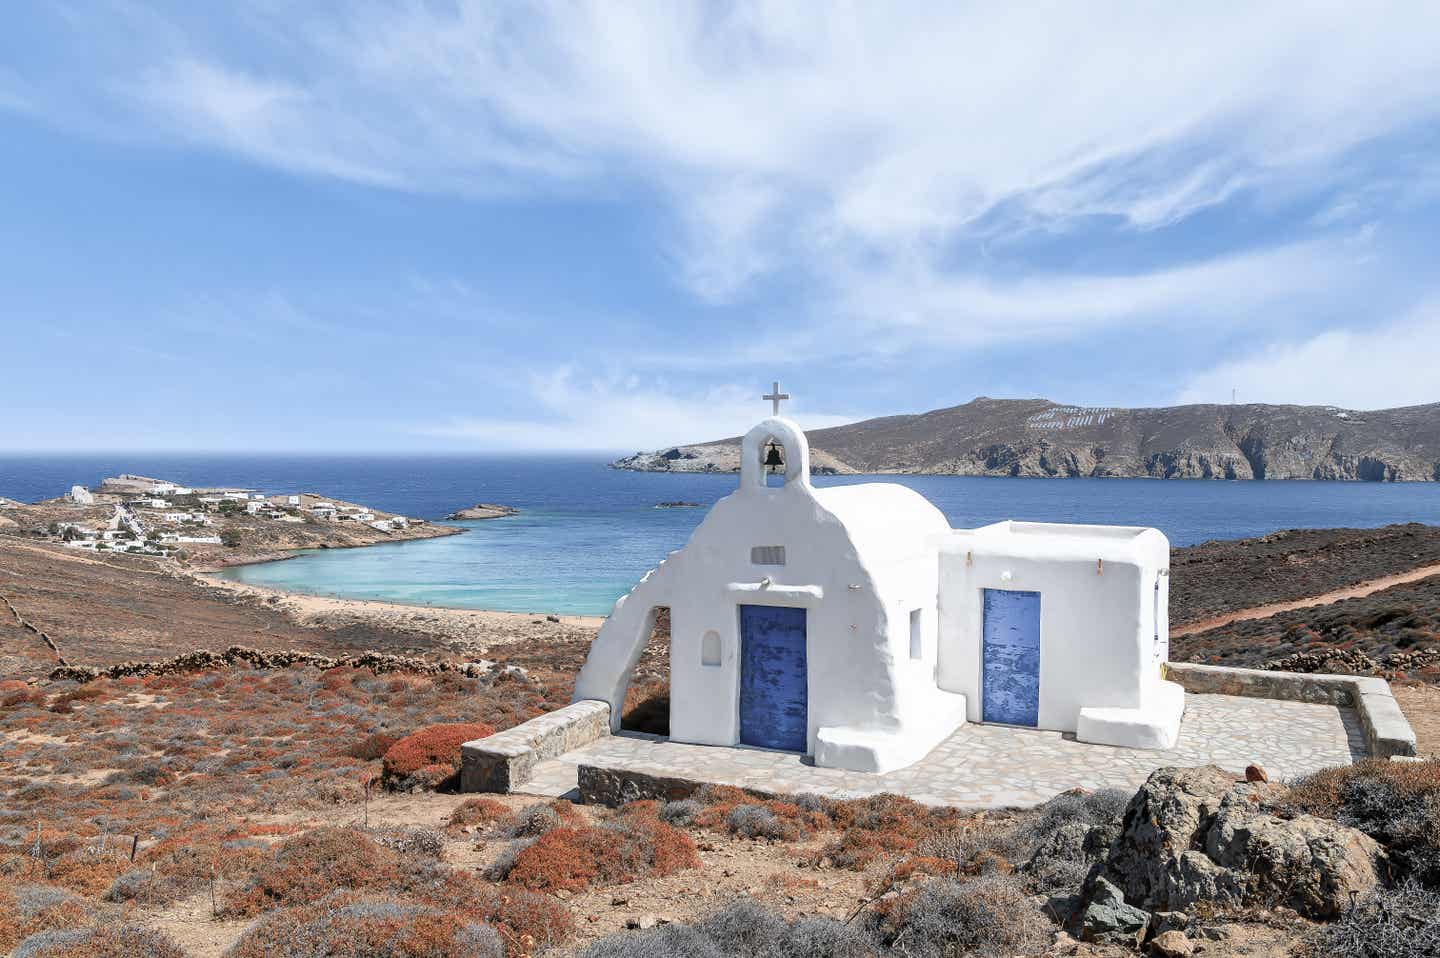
[[993, 766]]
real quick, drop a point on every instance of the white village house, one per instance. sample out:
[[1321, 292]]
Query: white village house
[[852, 624]]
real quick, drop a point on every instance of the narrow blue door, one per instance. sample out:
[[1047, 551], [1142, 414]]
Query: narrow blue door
[[773, 677], [1010, 681]]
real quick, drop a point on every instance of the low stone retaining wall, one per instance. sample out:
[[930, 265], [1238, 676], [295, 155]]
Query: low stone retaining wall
[[613, 787], [1387, 732], [505, 761]]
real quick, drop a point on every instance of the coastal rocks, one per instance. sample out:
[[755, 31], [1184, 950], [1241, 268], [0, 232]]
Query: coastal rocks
[[677, 504], [1193, 835], [1036, 437], [203, 660], [484, 510], [1107, 919], [716, 457]]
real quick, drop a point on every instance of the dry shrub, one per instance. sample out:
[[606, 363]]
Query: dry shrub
[[527, 921], [181, 865], [89, 870], [1395, 803], [411, 840], [308, 867], [27, 910], [103, 941], [348, 927], [474, 812], [372, 746], [857, 849], [634, 844], [990, 917], [741, 928], [749, 816], [429, 752], [915, 865], [535, 820], [1402, 922]]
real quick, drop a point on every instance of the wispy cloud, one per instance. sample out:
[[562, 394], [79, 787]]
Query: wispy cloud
[[1362, 367], [564, 409], [777, 137]]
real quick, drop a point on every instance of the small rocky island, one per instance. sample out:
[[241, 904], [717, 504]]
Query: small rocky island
[[677, 504], [484, 510]]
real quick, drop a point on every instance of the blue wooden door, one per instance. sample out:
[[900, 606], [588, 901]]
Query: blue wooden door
[[1010, 682], [773, 677]]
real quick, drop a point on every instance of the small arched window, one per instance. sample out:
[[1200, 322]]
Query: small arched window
[[710, 649]]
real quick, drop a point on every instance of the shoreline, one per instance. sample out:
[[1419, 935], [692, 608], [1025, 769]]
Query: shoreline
[[308, 609], [440, 532]]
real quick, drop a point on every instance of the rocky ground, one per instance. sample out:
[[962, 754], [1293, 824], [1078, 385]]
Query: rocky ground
[[225, 807], [252, 810]]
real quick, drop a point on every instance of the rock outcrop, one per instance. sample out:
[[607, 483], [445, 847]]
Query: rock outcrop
[[1199, 835], [1036, 437], [484, 510]]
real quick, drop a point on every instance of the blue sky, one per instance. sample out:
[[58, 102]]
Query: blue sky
[[454, 226]]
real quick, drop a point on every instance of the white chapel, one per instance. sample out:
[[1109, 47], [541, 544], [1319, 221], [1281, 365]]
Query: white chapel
[[853, 625]]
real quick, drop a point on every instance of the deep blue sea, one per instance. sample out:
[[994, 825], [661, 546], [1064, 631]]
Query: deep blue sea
[[587, 532]]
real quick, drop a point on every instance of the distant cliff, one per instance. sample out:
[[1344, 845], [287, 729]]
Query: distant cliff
[[1036, 437]]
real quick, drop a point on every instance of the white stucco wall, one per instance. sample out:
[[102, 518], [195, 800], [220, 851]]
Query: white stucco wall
[[1098, 624], [858, 559]]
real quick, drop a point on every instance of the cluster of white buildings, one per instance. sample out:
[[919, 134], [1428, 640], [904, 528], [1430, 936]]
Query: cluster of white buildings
[[328, 511], [125, 531]]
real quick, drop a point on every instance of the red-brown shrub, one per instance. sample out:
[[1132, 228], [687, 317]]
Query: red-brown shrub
[[354, 927], [475, 811], [372, 746], [27, 909], [87, 870], [635, 845], [528, 922], [308, 867], [110, 941], [434, 745]]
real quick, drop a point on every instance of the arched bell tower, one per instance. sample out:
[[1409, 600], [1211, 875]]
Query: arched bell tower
[[759, 448]]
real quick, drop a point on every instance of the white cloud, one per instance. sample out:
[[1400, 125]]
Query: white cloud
[[1357, 368], [620, 413], [867, 134]]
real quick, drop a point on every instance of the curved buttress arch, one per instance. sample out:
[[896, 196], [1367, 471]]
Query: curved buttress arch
[[617, 648]]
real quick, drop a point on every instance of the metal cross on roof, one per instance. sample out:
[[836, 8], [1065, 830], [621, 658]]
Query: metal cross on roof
[[775, 396]]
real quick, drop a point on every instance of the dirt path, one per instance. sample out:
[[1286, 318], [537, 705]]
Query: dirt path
[[1275, 608]]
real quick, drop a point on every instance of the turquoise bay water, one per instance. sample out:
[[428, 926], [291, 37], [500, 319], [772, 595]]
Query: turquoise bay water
[[586, 533]]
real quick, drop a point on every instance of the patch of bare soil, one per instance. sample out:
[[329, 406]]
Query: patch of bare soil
[[1421, 705], [103, 611]]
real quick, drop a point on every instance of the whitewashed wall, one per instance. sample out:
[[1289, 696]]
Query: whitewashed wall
[[1098, 622]]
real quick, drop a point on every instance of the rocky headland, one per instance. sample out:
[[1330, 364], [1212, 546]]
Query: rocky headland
[[484, 510], [1040, 438]]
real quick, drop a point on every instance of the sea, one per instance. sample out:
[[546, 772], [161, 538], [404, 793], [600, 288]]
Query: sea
[[586, 532]]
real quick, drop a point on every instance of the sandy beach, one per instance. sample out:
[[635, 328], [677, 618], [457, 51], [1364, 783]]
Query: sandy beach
[[472, 626]]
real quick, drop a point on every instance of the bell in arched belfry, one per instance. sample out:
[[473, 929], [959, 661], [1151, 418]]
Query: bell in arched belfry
[[773, 458]]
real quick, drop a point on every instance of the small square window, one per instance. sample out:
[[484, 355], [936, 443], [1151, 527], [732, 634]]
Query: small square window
[[767, 555]]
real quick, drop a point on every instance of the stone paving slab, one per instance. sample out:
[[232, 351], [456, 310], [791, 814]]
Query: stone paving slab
[[995, 766]]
